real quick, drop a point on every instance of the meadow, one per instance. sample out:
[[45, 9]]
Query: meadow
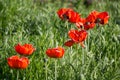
[[36, 22]]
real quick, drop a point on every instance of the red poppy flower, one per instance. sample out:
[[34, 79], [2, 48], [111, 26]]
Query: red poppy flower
[[68, 14], [55, 52], [90, 20], [78, 36], [26, 49], [18, 63], [86, 24], [62, 13], [102, 18], [92, 16]]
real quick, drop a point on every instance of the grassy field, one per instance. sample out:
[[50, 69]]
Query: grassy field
[[36, 22]]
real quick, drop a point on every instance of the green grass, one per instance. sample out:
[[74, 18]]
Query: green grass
[[26, 21]]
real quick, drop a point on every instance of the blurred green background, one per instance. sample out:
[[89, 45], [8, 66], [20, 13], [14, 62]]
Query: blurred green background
[[36, 22]]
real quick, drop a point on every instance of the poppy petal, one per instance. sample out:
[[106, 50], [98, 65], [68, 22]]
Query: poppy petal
[[69, 43], [17, 62], [55, 52], [26, 49], [73, 34]]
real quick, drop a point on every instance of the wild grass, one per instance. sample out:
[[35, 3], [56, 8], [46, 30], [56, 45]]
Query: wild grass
[[35, 22]]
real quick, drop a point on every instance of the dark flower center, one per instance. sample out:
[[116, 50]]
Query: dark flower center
[[98, 20], [87, 23], [65, 16]]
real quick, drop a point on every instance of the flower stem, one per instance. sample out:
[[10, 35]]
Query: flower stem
[[83, 60], [46, 70], [66, 24], [17, 74], [55, 69]]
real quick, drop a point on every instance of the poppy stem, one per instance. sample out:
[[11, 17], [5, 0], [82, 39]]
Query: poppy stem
[[17, 74], [66, 24], [83, 58], [55, 69], [46, 70], [77, 60]]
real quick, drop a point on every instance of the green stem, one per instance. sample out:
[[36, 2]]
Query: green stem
[[66, 24], [46, 70], [70, 60], [55, 69], [83, 57], [77, 58], [77, 55], [17, 74]]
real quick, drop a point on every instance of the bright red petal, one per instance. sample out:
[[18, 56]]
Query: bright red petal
[[88, 26], [103, 16], [55, 52], [18, 63], [62, 12], [74, 17], [73, 34], [26, 49], [82, 35]]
